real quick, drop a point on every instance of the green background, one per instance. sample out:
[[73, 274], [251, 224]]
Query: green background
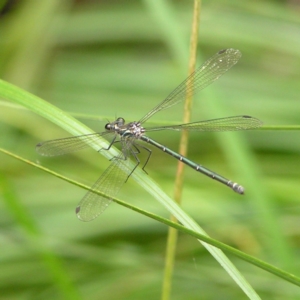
[[105, 59]]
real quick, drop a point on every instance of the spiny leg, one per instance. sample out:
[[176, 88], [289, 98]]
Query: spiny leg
[[148, 158], [111, 143]]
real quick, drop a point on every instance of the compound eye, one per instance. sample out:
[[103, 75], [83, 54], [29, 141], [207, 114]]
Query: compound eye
[[120, 121], [107, 126]]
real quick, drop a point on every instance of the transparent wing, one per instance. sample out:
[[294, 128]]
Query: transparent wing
[[67, 145], [206, 74], [222, 124], [109, 183]]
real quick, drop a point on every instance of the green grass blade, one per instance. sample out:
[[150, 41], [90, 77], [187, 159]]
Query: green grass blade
[[32, 229], [65, 121]]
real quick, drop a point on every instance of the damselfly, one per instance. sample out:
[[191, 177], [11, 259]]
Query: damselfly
[[130, 134]]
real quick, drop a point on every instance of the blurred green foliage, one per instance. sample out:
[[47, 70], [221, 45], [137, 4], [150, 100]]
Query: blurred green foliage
[[121, 58]]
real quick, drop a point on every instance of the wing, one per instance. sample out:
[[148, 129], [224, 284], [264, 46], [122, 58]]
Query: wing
[[222, 124], [67, 145], [109, 184], [206, 74]]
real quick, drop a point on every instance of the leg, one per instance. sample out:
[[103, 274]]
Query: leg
[[148, 158], [134, 154], [111, 143]]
